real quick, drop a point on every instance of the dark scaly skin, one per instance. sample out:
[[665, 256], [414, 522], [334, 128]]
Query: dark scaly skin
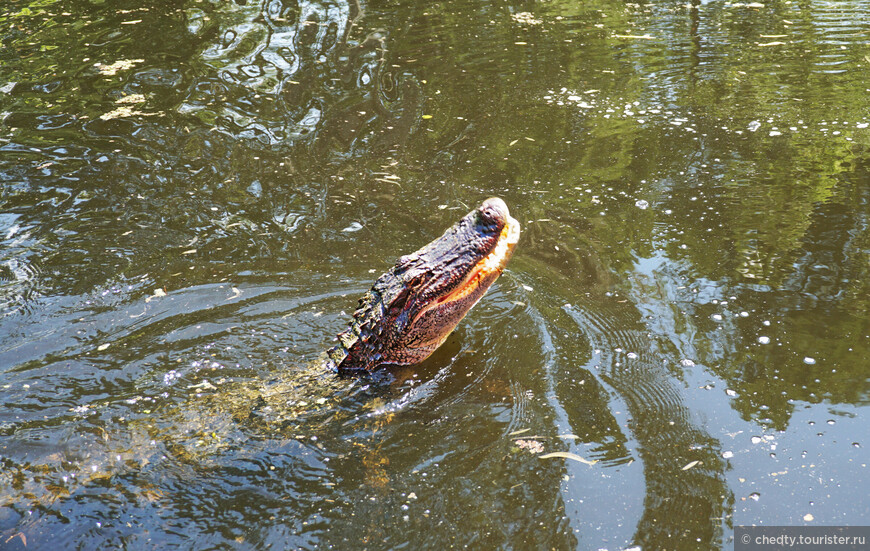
[[413, 307]]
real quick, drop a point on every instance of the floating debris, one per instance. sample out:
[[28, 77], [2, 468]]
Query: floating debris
[[525, 18], [568, 455], [639, 37], [532, 445], [126, 109], [132, 98], [690, 464], [204, 385], [157, 293], [113, 68]]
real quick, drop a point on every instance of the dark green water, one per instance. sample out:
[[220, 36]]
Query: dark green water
[[688, 304]]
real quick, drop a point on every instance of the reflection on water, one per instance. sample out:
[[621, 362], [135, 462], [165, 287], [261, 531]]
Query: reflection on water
[[194, 195]]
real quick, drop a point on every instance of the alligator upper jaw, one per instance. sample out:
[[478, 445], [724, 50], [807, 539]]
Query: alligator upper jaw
[[416, 304], [483, 274]]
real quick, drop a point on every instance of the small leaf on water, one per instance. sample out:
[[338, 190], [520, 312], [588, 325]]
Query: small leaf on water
[[157, 293], [568, 455], [690, 465], [644, 37], [426, 117], [104, 346]]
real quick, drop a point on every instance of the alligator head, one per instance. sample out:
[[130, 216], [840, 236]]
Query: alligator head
[[416, 304]]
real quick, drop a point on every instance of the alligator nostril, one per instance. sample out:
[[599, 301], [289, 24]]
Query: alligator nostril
[[494, 210]]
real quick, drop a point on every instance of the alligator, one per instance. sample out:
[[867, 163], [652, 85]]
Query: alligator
[[416, 304], [406, 315]]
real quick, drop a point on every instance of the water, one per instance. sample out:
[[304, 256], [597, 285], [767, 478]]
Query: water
[[194, 196]]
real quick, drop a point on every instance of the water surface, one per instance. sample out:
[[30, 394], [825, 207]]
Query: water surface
[[194, 195]]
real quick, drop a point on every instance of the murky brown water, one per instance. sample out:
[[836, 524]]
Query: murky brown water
[[688, 305]]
